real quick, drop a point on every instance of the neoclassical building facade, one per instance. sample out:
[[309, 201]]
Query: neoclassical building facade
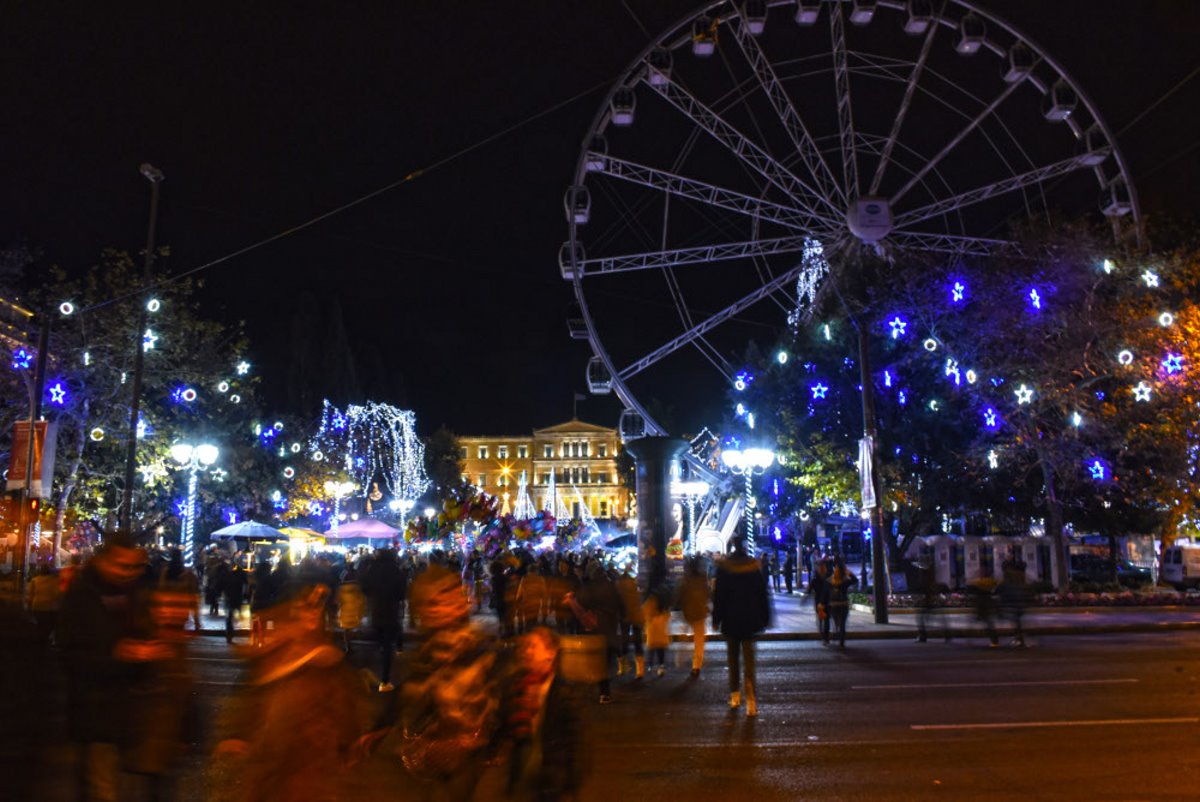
[[581, 457]]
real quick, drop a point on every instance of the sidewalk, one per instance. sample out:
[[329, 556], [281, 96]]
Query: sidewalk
[[794, 620]]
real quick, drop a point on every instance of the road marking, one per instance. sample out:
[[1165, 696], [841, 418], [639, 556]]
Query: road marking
[[1104, 722], [1023, 683]]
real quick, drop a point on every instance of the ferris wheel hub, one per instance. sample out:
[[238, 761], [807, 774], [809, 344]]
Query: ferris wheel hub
[[869, 218]]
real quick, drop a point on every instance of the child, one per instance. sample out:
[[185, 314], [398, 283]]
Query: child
[[657, 612]]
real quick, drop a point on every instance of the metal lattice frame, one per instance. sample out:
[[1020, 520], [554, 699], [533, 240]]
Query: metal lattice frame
[[797, 190]]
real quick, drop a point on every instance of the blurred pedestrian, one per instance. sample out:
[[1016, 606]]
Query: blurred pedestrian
[[818, 591], [531, 597], [234, 582], [657, 613], [741, 610], [103, 634], [384, 587], [543, 724], [775, 577], [789, 569], [599, 613], [839, 582], [692, 599], [297, 722], [925, 593], [178, 578], [982, 593], [633, 621], [1014, 596], [44, 602]]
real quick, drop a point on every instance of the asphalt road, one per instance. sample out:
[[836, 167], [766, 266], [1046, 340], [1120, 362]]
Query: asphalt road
[[1097, 717]]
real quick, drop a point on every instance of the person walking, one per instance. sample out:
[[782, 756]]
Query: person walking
[[692, 599], [600, 606], [775, 583], [657, 614], [234, 582], [633, 621], [384, 588], [741, 610], [840, 580], [818, 591], [1014, 596], [789, 569]]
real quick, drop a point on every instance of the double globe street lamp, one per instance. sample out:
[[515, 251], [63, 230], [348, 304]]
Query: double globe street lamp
[[748, 463], [691, 492], [338, 490], [192, 458]]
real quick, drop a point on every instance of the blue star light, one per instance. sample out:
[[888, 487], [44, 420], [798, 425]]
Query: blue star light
[[58, 394], [898, 325], [1098, 470], [1173, 363], [21, 360], [990, 419], [958, 292], [819, 390], [1035, 300]]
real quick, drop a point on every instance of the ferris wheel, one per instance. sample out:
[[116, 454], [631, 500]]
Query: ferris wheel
[[751, 135]]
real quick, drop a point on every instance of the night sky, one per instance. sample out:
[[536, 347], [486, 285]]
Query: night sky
[[265, 115]]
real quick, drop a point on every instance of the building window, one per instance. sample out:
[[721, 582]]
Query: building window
[[585, 448], [548, 451], [602, 478], [483, 452], [502, 452], [585, 476], [522, 452], [544, 479], [603, 509], [466, 480], [482, 481], [502, 481], [462, 453], [602, 449]]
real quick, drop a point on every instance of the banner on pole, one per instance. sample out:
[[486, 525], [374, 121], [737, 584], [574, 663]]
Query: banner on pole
[[866, 454], [45, 437]]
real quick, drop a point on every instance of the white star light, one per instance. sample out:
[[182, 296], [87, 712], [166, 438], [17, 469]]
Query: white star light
[[1142, 392], [993, 460], [1076, 420], [219, 474], [243, 368], [1035, 299], [1024, 394], [957, 292], [148, 340], [1151, 278]]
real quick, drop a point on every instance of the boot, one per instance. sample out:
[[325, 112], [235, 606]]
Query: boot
[[641, 666], [621, 666], [751, 702], [735, 699]]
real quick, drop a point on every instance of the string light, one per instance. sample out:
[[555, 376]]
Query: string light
[[1141, 392], [993, 460], [1125, 357], [898, 325], [1076, 420], [375, 440], [1108, 266], [148, 340], [1024, 394], [235, 399]]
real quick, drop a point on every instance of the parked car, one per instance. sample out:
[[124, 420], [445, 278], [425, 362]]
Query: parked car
[[1181, 566], [1098, 569]]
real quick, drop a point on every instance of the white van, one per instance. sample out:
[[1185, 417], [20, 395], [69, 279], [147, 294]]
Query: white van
[[1181, 566]]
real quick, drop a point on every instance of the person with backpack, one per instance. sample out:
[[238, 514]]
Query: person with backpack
[[741, 610]]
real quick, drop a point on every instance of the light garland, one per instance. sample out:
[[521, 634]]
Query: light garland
[[374, 440]]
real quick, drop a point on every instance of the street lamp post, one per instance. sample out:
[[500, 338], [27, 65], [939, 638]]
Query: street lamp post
[[192, 458], [691, 492], [155, 177], [403, 505], [748, 463], [339, 490]]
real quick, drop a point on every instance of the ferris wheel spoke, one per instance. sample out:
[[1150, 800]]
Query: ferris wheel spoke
[[1012, 184], [749, 153], [905, 103], [708, 324], [702, 254], [948, 243], [841, 70], [712, 195], [954, 142], [781, 101]]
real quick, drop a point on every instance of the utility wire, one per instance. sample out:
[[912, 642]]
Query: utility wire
[[1156, 103], [351, 204]]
